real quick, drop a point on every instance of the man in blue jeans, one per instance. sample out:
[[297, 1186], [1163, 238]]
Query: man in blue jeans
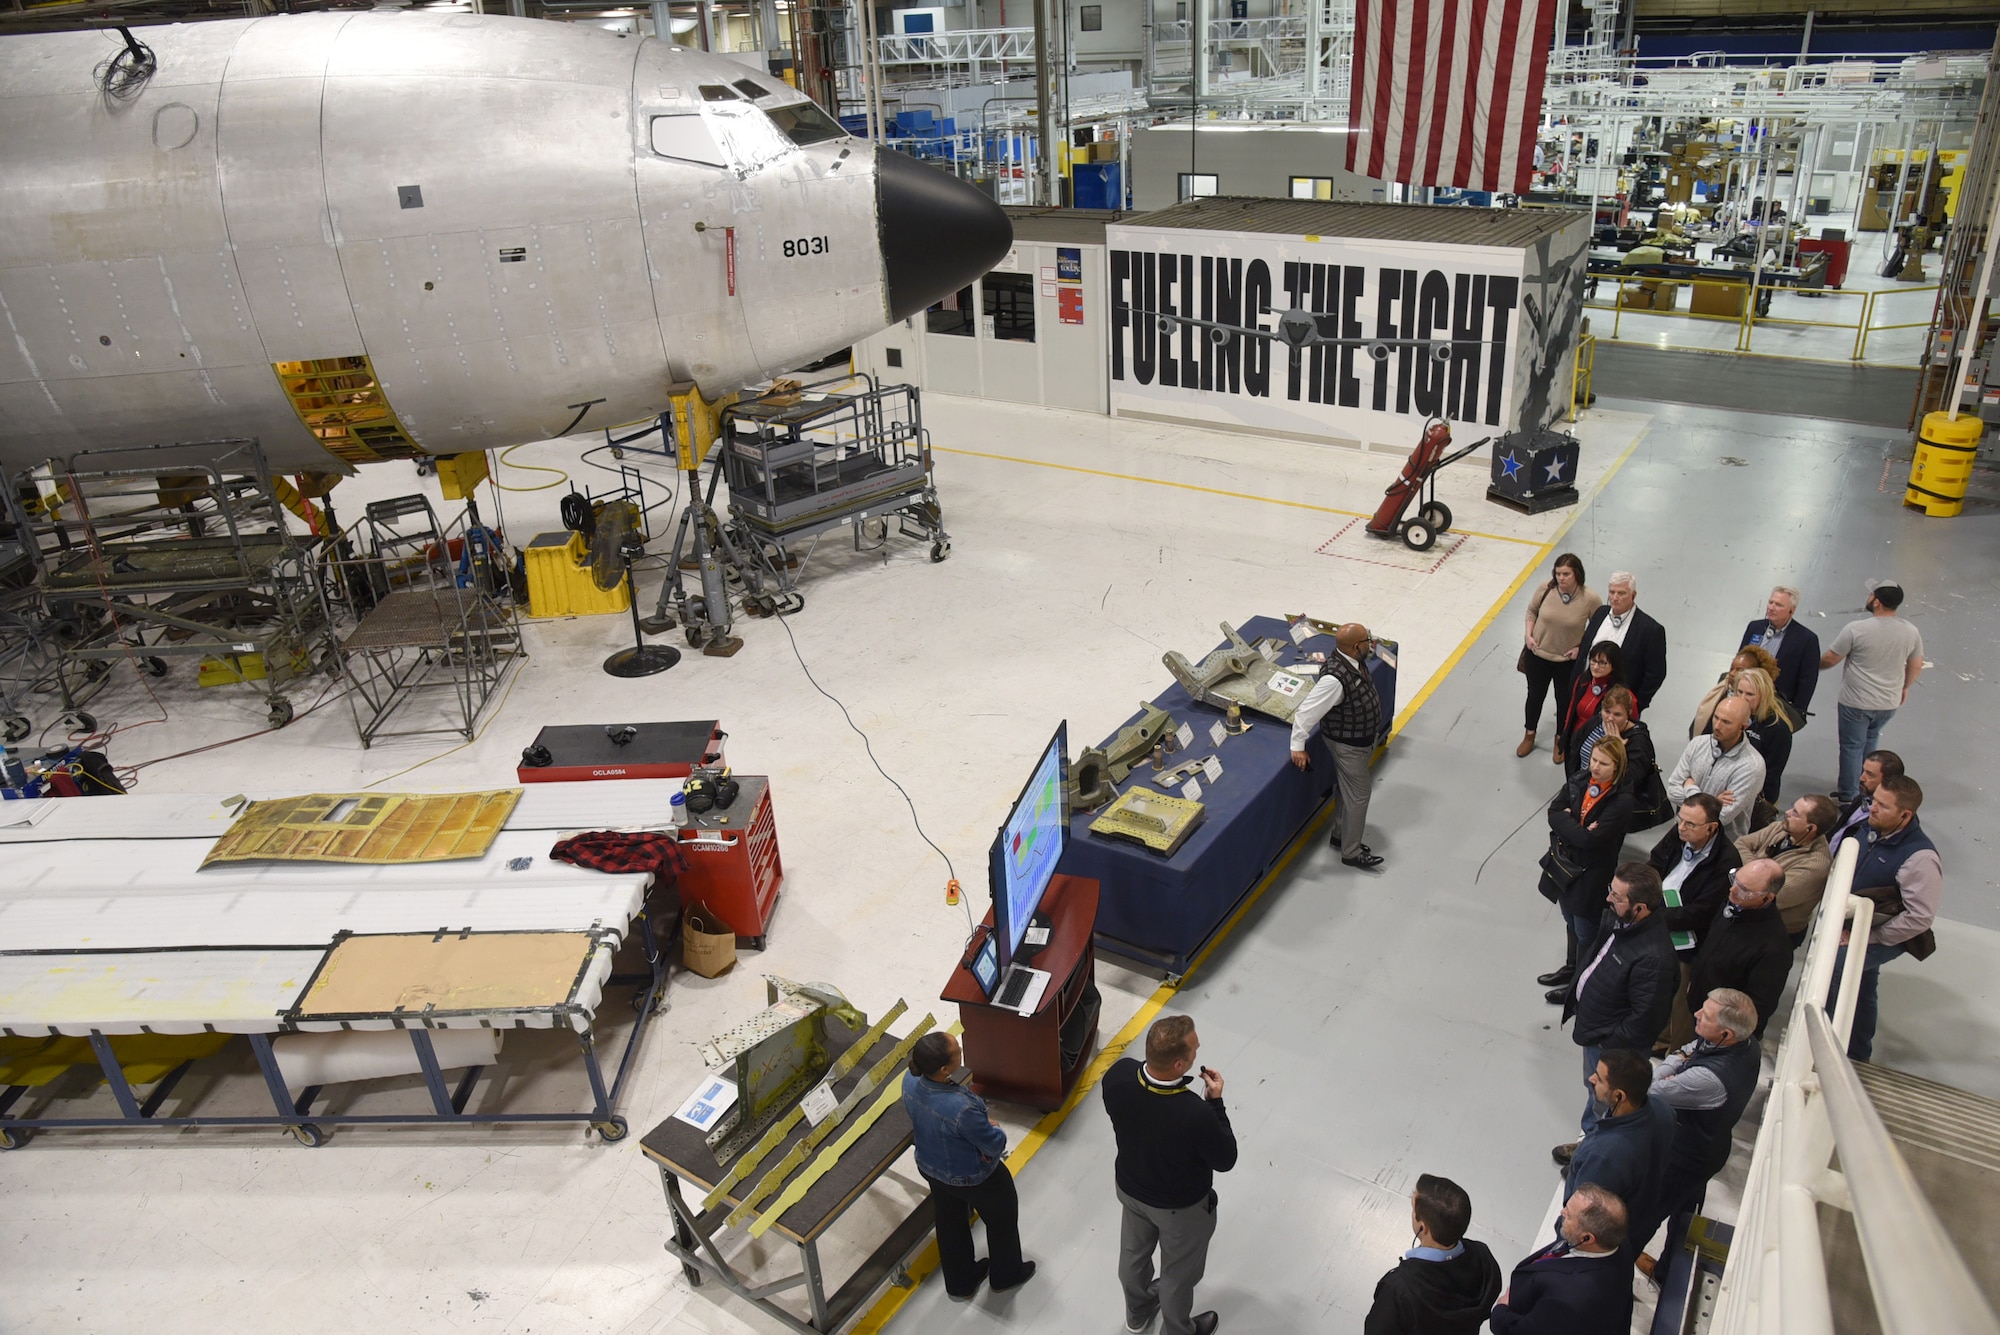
[[1900, 870], [1884, 654], [958, 1154]]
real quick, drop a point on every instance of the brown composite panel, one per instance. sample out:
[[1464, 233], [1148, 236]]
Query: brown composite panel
[[498, 971]]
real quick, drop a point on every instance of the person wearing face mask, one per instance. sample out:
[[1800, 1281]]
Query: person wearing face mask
[[959, 1156], [1725, 765], [1746, 947], [1642, 639], [1580, 1284], [1447, 1283], [1587, 821], [1625, 984], [1791, 644], [1172, 1138], [1551, 641]]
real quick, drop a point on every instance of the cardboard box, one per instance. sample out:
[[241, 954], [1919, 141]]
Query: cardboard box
[[1717, 299]]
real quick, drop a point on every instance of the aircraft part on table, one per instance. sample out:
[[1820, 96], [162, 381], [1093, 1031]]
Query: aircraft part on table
[[388, 828], [1159, 822], [881, 1073], [1238, 673], [779, 1054], [821, 1166], [747, 1163], [1177, 775], [1124, 753]]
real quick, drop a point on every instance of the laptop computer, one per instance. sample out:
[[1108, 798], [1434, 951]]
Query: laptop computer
[[1019, 989]]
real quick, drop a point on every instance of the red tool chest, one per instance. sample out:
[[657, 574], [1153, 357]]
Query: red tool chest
[[733, 868]]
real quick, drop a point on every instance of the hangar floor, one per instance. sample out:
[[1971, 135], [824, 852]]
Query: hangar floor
[[1372, 1027]]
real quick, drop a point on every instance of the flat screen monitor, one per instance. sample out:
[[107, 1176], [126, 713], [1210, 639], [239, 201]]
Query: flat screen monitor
[[1030, 844], [986, 966]]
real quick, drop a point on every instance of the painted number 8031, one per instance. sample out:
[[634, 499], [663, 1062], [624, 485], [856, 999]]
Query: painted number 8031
[[806, 245]]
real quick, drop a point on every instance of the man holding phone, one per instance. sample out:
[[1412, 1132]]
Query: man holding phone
[[1173, 1137]]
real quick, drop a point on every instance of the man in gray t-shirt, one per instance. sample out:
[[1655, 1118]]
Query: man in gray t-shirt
[[1884, 654]]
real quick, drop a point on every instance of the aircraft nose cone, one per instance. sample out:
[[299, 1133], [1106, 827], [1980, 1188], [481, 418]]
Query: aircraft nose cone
[[938, 233]]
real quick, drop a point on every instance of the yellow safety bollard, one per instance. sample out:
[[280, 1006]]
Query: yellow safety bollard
[[1942, 467]]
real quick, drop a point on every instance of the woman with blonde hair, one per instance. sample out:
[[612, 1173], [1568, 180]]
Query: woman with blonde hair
[[1770, 728], [1749, 656]]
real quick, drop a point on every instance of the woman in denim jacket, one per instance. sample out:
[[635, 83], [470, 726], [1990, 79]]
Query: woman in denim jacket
[[958, 1153]]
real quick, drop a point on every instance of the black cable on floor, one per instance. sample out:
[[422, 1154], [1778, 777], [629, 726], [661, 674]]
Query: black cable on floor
[[783, 620]]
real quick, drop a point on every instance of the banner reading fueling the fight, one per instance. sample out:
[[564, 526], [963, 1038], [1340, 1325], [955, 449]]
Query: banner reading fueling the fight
[[1356, 338]]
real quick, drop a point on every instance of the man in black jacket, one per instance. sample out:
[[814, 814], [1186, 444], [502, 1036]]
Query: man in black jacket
[[1694, 861], [1621, 995], [1580, 1284], [1746, 946], [1875, 767], [1792, 643], [1171, 1143], [1642, 639], [1447, 1283]]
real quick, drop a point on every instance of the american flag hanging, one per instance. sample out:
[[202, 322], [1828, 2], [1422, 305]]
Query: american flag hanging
[[1448, 92]]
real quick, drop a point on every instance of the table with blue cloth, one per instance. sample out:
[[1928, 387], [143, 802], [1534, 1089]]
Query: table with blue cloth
[[1163, 910]]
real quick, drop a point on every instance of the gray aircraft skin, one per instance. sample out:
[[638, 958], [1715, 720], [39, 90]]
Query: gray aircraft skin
[[509, 218]]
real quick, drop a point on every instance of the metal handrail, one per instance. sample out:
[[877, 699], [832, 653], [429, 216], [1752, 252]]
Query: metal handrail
[[1921, 1284], [1775, 1279]]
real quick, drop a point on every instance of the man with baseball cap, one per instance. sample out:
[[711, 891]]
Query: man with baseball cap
[[1884, 655]]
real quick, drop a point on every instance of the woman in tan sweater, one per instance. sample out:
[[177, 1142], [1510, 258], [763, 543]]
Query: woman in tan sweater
[[1552, 637]]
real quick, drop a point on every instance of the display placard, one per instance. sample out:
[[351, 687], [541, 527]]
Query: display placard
[[1191, 790], [1505, 316], [1212, 769], [1216, 732]]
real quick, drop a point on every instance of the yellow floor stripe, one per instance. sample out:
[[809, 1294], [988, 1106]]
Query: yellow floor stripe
[[926, 1261], [1206, 491]]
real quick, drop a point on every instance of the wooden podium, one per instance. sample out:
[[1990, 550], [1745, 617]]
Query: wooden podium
[[1020, 1058]]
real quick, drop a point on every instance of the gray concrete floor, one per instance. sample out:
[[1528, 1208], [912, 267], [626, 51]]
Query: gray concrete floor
[[1373, 1028]]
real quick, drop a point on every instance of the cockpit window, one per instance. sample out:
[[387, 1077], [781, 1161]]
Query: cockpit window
[[688, 138], [747, 136], [715, 92], [804, 123], [751, 90]]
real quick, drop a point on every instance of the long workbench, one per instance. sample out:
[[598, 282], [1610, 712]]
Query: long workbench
[[121, 950]]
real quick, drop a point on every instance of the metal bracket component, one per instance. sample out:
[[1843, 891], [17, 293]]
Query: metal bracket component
[[1181, 773], [1237, 673]]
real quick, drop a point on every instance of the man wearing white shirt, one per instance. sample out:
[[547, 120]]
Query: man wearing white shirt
[[1642, 639], [1345, 706]]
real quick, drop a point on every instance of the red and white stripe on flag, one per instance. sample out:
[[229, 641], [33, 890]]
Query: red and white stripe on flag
[[1448, 92]]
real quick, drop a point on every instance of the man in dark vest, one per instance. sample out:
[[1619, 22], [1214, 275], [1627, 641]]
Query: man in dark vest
[[1900, 870], [1707, 1084], [1344, 705]]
